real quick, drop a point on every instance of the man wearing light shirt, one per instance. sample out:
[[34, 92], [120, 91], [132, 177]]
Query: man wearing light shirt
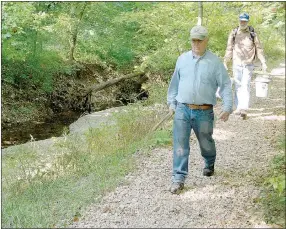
[[243, 46], [192, 95]]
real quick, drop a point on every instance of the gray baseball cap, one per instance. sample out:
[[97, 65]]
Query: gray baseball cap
[[199, 32]]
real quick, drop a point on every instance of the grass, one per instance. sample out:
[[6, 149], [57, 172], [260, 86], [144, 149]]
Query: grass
[[84, 168], [273, 197]]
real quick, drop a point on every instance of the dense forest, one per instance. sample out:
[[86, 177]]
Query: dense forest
[[53, 51]]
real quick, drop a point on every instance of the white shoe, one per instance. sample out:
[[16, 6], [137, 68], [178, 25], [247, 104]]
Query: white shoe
[[237, 112]]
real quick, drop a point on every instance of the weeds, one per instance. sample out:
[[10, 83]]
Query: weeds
[[273, 198], [51, 193]]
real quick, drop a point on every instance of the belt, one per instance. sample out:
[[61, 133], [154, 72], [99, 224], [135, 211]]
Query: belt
[[199, 107]]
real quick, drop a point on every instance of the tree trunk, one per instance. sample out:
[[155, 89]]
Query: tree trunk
[[74, 34], [35, 37], [95, 88], [72, 46], [200, 16]]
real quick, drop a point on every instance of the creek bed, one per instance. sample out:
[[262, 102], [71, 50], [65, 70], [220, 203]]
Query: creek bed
[[55, 126]]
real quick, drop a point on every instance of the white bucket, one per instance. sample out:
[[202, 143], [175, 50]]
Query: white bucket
[[261, 86]]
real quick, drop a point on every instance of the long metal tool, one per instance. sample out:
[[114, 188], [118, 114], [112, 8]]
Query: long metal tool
[[165, 118]]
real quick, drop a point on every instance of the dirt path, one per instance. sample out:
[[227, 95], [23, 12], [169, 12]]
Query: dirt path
[[228, 199]]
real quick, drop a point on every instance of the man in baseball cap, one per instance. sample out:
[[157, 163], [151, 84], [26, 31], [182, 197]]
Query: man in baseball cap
[[244, 17], [243, 48], [199, 39], [243, 21], [191, 96]]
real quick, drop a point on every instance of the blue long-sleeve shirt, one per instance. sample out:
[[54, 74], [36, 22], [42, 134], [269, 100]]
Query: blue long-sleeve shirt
[[195, 81]]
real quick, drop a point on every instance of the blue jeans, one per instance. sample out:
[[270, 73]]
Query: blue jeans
[[201, 121]]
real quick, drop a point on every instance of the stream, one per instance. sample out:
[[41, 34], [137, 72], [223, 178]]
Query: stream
[[55, 126]]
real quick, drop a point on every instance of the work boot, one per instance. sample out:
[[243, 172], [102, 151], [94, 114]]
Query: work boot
[[208, 171], [176, 187], [243, 114]]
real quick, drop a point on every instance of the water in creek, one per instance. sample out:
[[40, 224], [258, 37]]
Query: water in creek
[[53, 127]]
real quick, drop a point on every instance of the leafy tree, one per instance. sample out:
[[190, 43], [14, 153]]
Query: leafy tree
[[38, 38], [26, 57]]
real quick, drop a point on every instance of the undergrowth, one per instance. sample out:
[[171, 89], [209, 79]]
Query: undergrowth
[[54, 192], [273, 198]]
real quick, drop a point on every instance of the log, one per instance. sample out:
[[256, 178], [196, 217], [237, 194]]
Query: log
[[95, 88]]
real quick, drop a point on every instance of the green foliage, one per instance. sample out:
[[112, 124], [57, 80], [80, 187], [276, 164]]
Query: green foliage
[[163, 138], [274, 17], [36, 71], [274, 198], [66, 178], [278, 184], [157, 92], [277, 179], [108, 40], [27, 59], [163, 33], [128, 35]]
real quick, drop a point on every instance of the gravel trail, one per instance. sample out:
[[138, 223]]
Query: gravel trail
[[225, 200]]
